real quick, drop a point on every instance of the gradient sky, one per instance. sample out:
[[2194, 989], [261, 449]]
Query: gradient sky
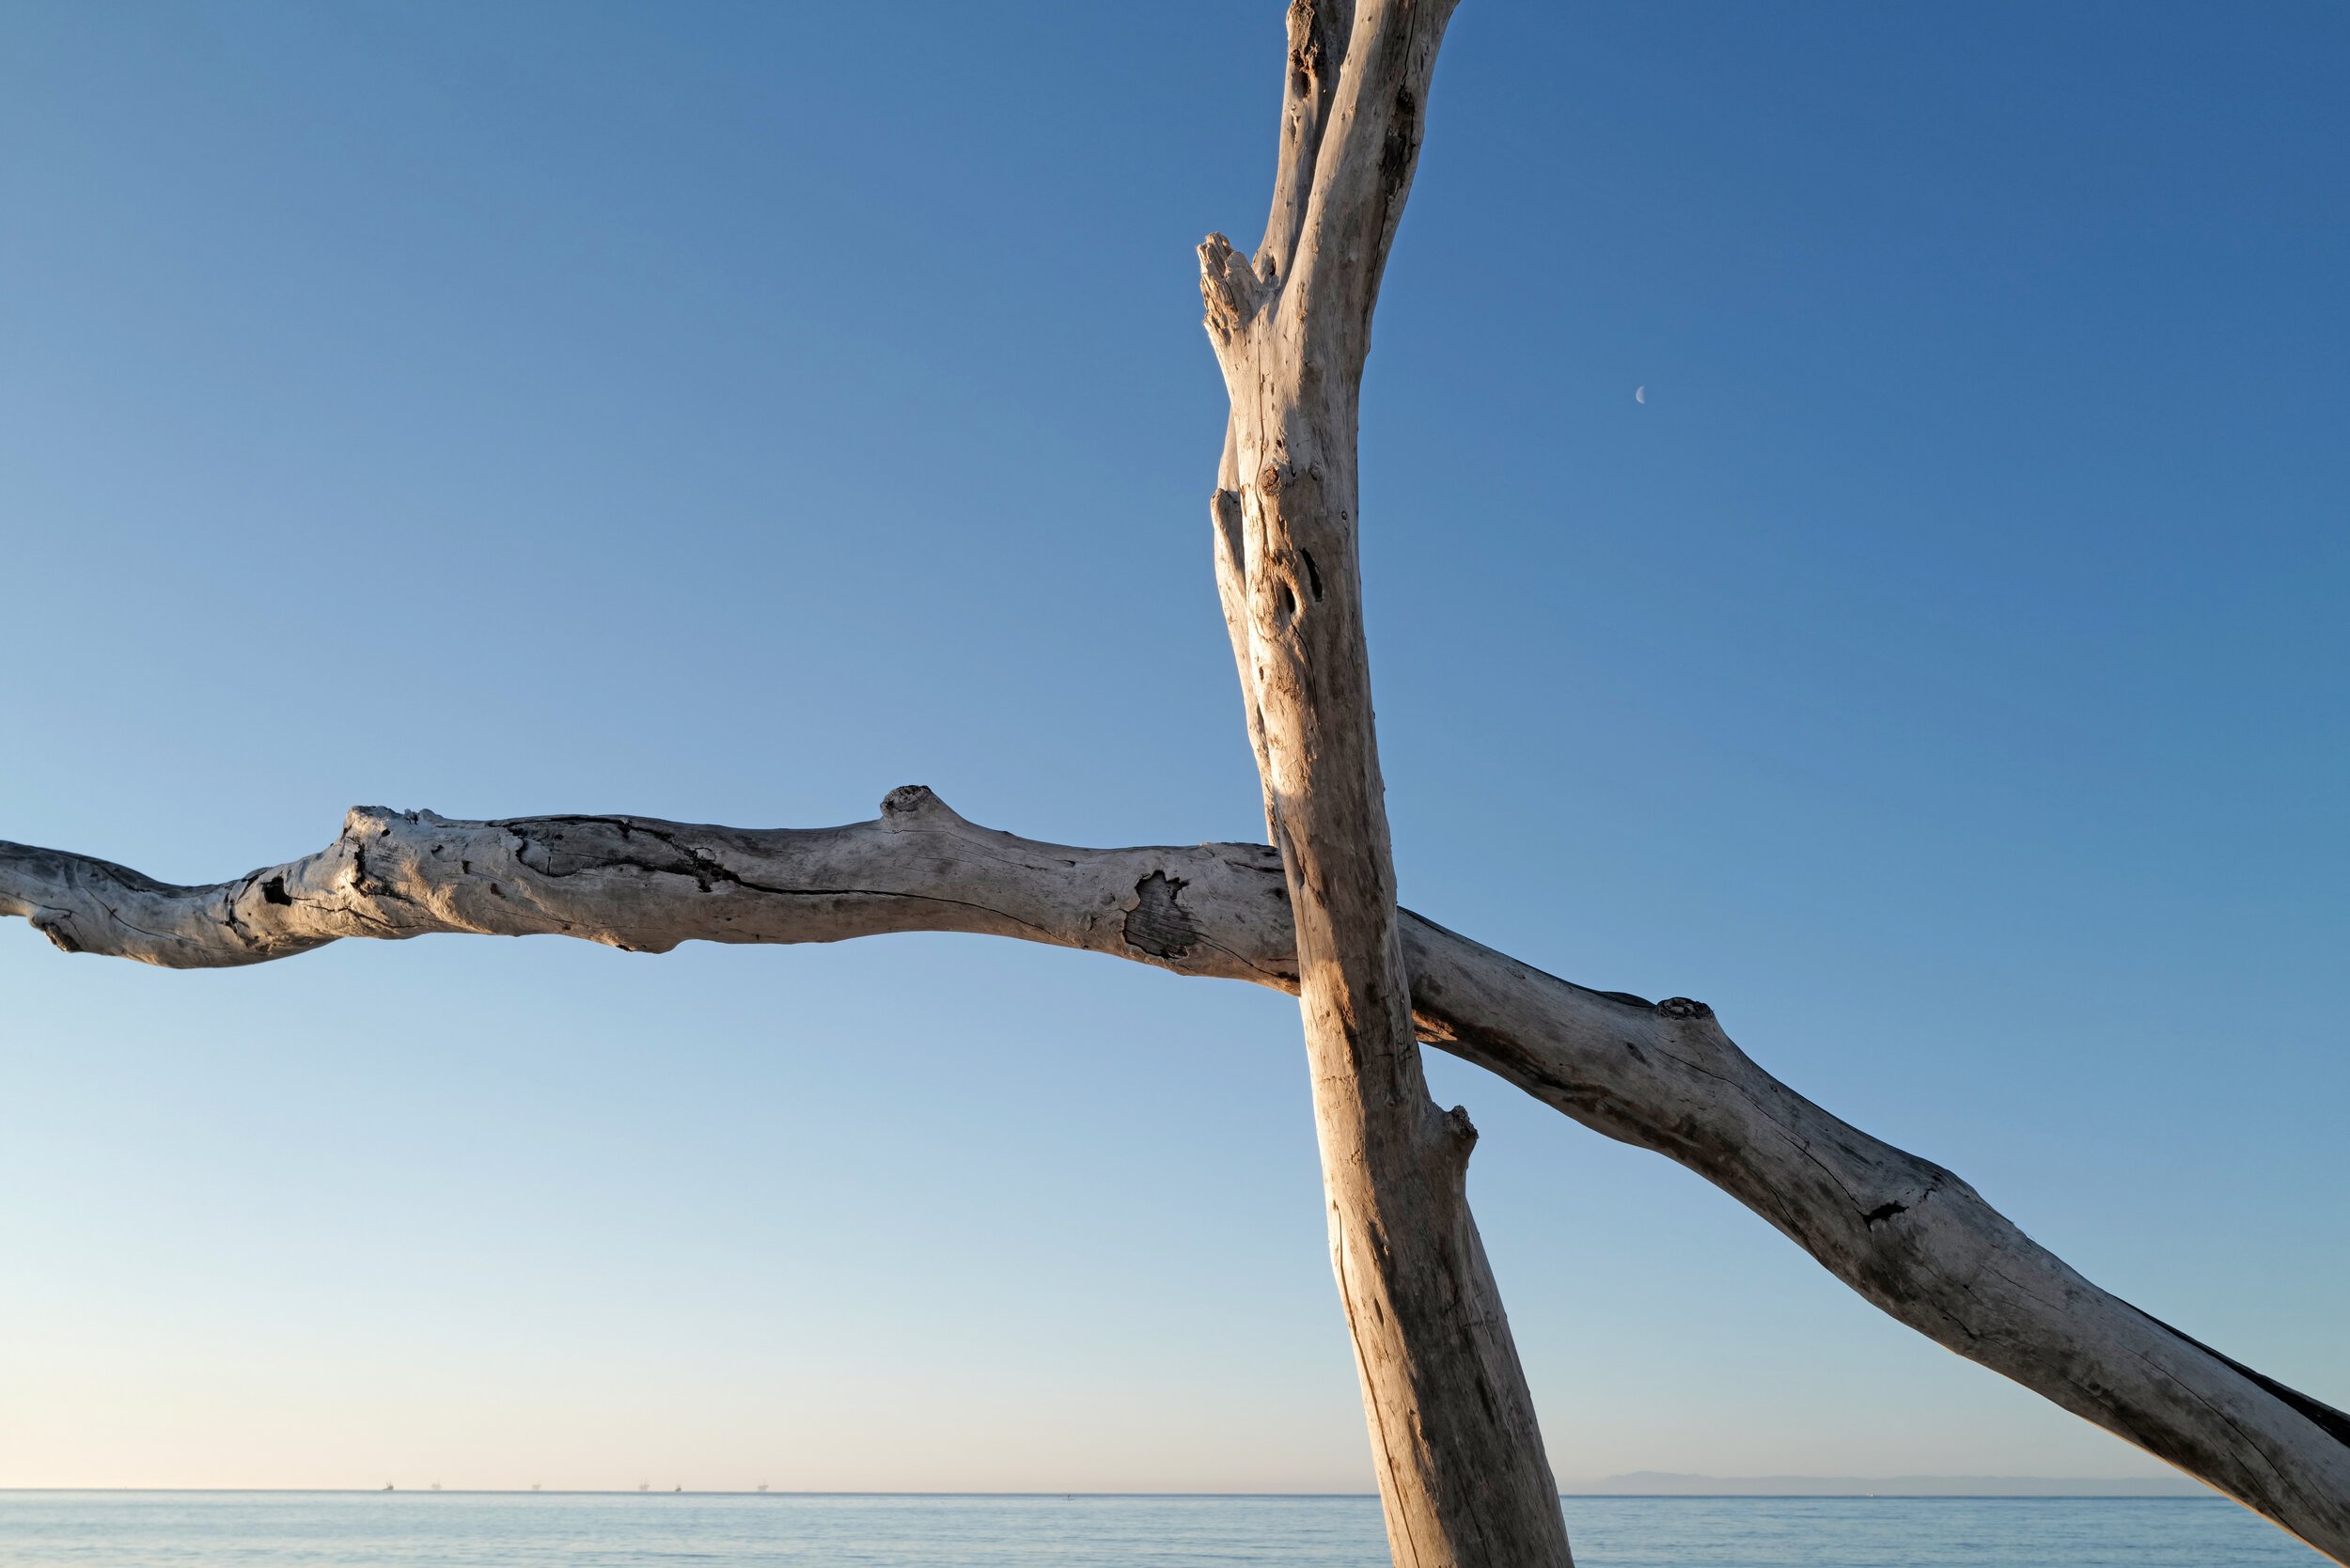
[[730, 411]]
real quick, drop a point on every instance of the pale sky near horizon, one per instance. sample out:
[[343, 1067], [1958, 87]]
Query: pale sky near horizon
[[730, 412]]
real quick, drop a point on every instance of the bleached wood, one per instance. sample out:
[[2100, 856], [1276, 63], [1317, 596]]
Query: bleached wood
[[645, 886], [1462, 1476], [1909, 1236]]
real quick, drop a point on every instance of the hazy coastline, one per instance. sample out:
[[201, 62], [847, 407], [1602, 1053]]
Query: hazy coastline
[[1667, 1483]]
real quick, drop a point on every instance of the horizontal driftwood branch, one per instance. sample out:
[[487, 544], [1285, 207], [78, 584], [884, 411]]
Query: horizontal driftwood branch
[[1908, 1235], [645, 886]]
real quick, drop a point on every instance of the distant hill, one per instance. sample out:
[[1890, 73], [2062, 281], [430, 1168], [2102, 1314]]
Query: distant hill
[[1665, 1483]]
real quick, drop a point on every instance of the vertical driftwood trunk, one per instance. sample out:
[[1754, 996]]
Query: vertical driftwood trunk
[[1462, 1471]]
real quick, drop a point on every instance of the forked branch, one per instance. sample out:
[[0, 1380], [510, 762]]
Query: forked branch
[[1462, 1477]]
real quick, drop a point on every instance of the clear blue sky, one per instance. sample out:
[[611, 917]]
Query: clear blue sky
[[730, 411]]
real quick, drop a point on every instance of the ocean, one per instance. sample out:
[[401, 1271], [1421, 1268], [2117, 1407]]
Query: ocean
[[506, 1530]]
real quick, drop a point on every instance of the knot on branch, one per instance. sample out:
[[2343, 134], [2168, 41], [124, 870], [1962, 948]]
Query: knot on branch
[[1682, 1007], [1452, 1139], [53, 924], [916, 805]]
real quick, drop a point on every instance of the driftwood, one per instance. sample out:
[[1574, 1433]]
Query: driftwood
[[1462, 1475], [1461, 1466], [1908, 1235]]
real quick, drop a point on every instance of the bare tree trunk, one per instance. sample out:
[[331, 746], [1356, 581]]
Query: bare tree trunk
[[1461, 1471]]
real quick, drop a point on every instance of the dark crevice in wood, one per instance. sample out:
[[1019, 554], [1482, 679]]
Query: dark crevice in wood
[[1159, 923]]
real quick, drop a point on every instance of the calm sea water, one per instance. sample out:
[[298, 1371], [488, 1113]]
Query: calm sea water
[[451, 1529]]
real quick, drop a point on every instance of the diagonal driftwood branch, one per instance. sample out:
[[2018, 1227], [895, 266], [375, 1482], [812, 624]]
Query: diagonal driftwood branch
[[1906, 1234], [1463, 1480]]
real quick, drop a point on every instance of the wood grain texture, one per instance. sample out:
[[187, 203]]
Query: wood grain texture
[[1906, 1234], [1462, 1476]]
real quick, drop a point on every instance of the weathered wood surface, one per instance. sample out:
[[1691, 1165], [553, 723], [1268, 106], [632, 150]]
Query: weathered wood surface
[[1462, 1476], [1461, 1471], [1906, 1234]]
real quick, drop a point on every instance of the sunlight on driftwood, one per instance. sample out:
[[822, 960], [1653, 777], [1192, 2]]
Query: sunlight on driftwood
[[1462, 1471]]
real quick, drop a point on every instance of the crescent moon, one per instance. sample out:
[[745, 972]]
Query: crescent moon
[[1639, 394]]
